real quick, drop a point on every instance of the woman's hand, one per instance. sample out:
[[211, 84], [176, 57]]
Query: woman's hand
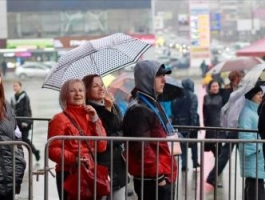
[[90, 111], [109, 101]]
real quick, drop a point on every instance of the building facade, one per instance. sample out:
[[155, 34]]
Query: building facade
[[57, 18]]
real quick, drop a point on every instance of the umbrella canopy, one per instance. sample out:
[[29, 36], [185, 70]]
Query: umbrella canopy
[[124, 84], [236, 64], [231, 110], [255, 49], [254, 77], [101, 56]]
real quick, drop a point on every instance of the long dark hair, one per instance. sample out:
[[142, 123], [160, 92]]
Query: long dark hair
[[2, 99], [88, 80]]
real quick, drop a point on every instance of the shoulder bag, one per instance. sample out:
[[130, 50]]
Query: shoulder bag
[[90, 177]]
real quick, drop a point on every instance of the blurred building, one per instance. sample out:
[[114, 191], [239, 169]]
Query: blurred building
[[56, 18]]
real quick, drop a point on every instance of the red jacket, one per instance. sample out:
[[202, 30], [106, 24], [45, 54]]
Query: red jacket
[[140, 121], [61, 126]]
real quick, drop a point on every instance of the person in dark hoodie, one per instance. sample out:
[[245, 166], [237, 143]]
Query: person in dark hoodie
[[145, 117], [111, 118], [20, 102], [184, 112]]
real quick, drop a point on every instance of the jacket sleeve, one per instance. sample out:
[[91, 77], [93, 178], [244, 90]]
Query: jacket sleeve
[[98, 130], [57, 128], [27, 109], [138, 123], [193, 110], [204, 111], [261, 123], [246, 122]]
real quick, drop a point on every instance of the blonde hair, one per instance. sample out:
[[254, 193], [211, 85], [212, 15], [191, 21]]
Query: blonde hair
[[65, 90]]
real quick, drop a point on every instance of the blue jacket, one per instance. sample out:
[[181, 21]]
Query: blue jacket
[[250, 152]]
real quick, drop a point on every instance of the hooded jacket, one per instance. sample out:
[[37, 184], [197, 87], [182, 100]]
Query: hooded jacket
[[142, 121], [250, 154], [7, 133], [184, 109]]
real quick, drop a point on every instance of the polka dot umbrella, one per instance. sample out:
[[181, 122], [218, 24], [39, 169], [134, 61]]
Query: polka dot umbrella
[[101, 56]]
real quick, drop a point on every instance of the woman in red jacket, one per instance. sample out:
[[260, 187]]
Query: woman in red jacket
[[72, 101]]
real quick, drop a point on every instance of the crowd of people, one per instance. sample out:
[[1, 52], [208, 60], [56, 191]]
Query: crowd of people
[[89, 110]]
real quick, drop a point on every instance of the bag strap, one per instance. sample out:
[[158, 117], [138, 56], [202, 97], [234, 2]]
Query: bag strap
[[81, 132], [167, 127]]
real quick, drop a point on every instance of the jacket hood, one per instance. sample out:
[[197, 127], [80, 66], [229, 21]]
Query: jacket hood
[[188, 84], [144, 76]]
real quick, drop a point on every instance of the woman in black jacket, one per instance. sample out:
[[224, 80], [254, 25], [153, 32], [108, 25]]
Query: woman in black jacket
[[7, 133], [212, 104], [111, 118]]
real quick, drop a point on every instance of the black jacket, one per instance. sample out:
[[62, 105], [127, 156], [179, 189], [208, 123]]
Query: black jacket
[[261, 123], [7, 128], [184, 109], [212, 105], [112, 122], [21, 104]]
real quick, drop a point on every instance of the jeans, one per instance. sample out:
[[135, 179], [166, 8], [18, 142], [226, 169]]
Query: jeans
[[59, 183], [250, 189], [222, 158], [194, 154], [25, 138], [119, 194], [150, 188], [194, 151]]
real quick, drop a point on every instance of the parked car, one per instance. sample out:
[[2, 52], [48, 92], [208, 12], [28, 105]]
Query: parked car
[[32, 69], [182, 63]]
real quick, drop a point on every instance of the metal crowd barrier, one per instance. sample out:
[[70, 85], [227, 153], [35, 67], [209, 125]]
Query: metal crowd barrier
[[28, 165], [189, 184]]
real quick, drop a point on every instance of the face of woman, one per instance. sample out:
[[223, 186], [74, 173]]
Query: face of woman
[[76, 94], [258, 97], [97, 90], [214, 89]]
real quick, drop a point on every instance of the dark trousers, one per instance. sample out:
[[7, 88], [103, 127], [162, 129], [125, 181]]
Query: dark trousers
[[250, 189], [9, 196], [149, 190], [222, 158], [194, 153], [194, 149], [25, 138], [59, 183]]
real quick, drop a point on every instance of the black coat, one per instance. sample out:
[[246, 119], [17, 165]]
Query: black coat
[[21, 104], [261, 123], [112, 122], [7, 128], [184, 112], [212, 105]]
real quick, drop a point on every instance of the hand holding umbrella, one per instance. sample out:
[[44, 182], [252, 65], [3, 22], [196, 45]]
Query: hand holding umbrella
[[109, 100]]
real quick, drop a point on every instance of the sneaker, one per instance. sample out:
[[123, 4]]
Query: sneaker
[[212, 183], [37, 155], [197, 165], [184, 169]]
